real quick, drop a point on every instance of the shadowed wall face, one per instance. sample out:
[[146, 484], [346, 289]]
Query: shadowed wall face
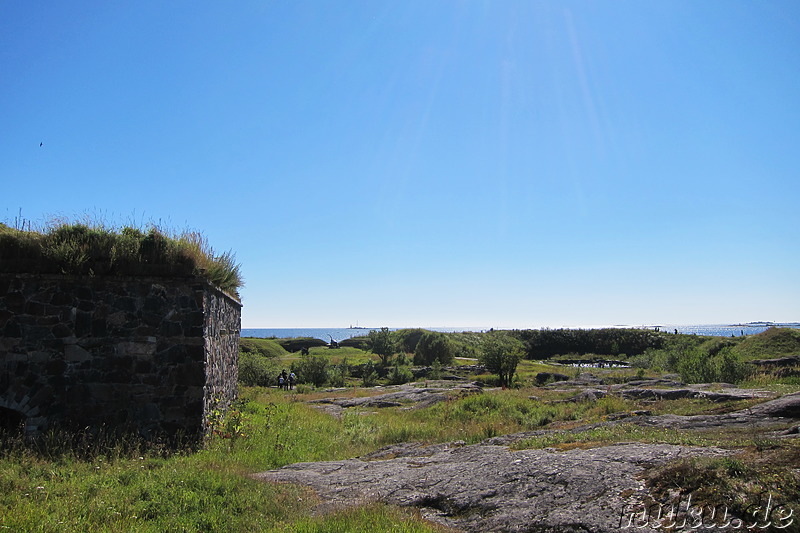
[[148, 355]]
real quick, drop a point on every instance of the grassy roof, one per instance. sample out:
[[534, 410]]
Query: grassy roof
[[93, 249]]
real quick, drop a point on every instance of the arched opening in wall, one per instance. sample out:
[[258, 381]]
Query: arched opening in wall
[[11, 421]]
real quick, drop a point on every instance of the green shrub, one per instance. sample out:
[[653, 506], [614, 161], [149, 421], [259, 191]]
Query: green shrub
[[407, 339], [369, 375], [433, 346], [311, 369], [400, 374], [256, 370], [339, 374], [436, 370], [382, 343], [699, 366], [500, 354], [546, 343]]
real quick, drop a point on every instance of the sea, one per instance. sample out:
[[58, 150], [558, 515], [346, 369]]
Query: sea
[[340, 334]]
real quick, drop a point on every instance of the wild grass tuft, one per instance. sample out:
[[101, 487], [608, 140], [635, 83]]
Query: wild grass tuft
[[93, 248]]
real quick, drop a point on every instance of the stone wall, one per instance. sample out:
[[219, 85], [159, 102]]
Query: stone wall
[[151, 355]]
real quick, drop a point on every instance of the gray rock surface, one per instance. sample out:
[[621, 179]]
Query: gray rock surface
[[790, 360], [408, 394], [771, 414], [695, 391], [490, 488]]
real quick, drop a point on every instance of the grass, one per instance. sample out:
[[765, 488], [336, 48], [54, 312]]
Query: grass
[[269, 348], [605, 435], [366, 519], [774, 342], [204, 491], [737, 482], [92, 248]]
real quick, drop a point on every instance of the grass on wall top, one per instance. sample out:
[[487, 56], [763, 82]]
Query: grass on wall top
[[94, 249]]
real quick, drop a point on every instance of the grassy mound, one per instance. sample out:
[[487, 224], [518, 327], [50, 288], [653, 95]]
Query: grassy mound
[[298, 343], [270, 348], [774, 342]]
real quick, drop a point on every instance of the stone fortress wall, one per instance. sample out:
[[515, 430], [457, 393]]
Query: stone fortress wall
[[150, 355]]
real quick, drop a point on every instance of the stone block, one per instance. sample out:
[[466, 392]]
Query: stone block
[[12, 329], [170, 329], [83, 323], [137, 348], [55, 367], [15, 302], [99, 328], [34, 424], [38, 356], [101, 393], [60, 331], [74, 353], [34, 308]]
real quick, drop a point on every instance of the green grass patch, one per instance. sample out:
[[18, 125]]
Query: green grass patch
[[366, 519], [605, 435], [264, 347], [92, 248], [205, 491]]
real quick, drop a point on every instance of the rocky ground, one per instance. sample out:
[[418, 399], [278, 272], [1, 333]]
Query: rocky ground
[[489, 487]]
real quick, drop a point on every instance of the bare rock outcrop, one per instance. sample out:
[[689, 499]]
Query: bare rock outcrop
[[491, 488], [408, 394], [774, 413], [725, 395]]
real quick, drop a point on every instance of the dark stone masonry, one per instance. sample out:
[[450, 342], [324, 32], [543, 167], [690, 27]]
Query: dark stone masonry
[[150, 355]]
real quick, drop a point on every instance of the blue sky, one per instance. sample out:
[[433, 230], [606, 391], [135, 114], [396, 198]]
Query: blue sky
[[428, 163]]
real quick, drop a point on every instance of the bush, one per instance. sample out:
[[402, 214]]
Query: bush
[[545, 343], [400, 374], [436, 370], [433, 346], [311, 369], [339, 374], [407, 339], [500, 354], [256, 370], [369, 375], [382, 343], [697, 359]]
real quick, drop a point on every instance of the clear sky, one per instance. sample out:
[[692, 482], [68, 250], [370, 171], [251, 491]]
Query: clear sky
[[428, 163]]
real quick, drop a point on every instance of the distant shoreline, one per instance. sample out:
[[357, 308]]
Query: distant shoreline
[[339, 334]]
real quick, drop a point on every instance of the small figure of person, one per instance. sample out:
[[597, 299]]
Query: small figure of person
[[284, 380], [292, 379], [280, 381]]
